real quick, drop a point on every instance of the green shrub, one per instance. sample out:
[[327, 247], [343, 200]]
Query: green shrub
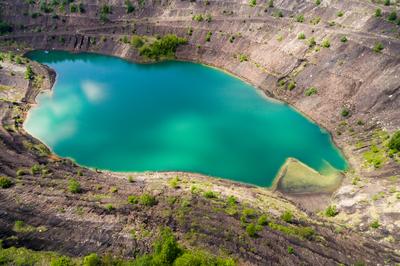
[[147, 200], [208, 36], [73, 8], [291, 85], [109, 207], [199, 258], [5, 182], [310, 91], [394, 142], [248, 213], [190, 31], [315, 20], [392, 16], [210, 194], [345, 112], [4, 28], [311, 42], [301, 36], [174, 182], [378, 47], [378, 12], [300, 18], [278, 14], [74, 186], [136, 41], [317, 2], [387, 2], [104, 11], [36, 169], [198, 18], [29, 75], [331, 211], [252, 229], [287, 216], [271, 3], [343, 39], [81, 8], [44, 7], [340, 14], [61, 261], [133, 199], [326, 43], [375, 224], [131, 179], [252, 3], [91, 260], [129, 7], [231, 200], [21, 172], [124, 39], [290, 250], [243, 58], [232, 39], [262, 220]]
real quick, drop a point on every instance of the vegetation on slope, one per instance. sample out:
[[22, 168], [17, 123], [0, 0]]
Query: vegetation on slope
[[163, 48], [166, 252]]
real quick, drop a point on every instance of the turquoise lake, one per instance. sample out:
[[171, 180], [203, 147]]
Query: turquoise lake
[[108, 113]]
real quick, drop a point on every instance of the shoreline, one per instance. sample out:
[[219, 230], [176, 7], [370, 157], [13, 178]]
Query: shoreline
[[275, 180]]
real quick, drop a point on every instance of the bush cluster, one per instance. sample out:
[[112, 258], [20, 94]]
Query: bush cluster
[[165, 47]]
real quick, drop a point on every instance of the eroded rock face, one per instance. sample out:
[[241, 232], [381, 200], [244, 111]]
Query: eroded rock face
[[346, 75]]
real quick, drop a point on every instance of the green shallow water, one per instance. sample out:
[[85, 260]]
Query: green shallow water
[[108, 113]]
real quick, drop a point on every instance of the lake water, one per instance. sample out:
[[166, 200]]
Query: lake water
[[108, 113]]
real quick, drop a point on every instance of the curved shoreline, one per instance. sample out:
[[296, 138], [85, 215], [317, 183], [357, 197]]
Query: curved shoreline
[[263, 93]]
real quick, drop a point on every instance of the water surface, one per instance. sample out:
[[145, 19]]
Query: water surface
[[108, 113]]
